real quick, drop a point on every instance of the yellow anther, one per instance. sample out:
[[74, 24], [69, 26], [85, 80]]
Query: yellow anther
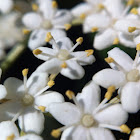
[[25, 31], [54, 4], [130, 2], [11, 137], [56, 133], [116, 41], [51, 83], [111, 89], [70, 94], [131, 29], [138, 47], [25, 72], [42, 108], [125, 129], [109, 60], [79, 40], [34, 7], [83, 16], [48, 37], [94, 29], [134, 11], [89, 52], [22, 133], [64, 65], [67, 26], [109, 92], [37, 51], [101, 6]]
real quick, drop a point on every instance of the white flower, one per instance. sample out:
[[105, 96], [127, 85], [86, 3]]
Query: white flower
[[9, 131], [62, 59], [135, 135], [27, 100], [47, 19], [6, 6], [87, 119], [125, 75], [116, 26]]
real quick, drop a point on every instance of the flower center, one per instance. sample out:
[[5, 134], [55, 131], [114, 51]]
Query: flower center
[[133, 75], [27, 100], [63, 55], [87, 120], [47, 24]]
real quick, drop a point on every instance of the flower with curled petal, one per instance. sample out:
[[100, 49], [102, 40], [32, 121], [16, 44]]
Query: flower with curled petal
[[125, 75], [88, 118], [9, 131], [61, 58], [46, 18], [135, 135], [27, 101]]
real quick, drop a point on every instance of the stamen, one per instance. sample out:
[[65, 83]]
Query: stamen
[[51, 83], [112, 127], [22, 133], [49, 37], [64, 65], [101, 6], [52, 77], [138, 47], [34, 7], [25, 72], [125, 129], [116, 41], [67, 26], [25, 31], [83, 16], [17, 115], [109, 60], [37, 51], [109, 92], [134, 11], [42, 108], [54, 4], [11, 137], [70, 94], [130, 2], [56, 133], [131, 29], [80, 40], [89, 52], [94, 29]]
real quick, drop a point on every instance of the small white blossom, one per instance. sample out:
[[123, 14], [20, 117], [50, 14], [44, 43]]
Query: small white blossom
[[125, 75], [135, 135], [61, 58], [87, 119]]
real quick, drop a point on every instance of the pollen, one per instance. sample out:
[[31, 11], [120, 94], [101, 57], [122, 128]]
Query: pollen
[[25, 31], [131, 29], [42, 108], [94, 29], [134, 11], [67, 26], [11, 137], [70, 94], [116, 41], [64, 65], [89, 52], [109, 92], [138, 47], [79, 40], [83, 16], [51, 83], [130, 2], [25, 72], [34, 7], [56, 133], [54, 4], [125, 129], [101, 6], [37, 51], [109, 60], [48, 37]]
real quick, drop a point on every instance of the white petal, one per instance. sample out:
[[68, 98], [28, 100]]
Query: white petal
[[6, 6], [111, 115], [13, 87], [48, 98], [104, 39], [8, 128], [36, 82], [122, 58], [115, 7], [29, 137], [74, 133], [135, 135], [83, 60], [32, 20], [109, 77], [37, 38], [89, 98], [127, 40], [52, 66], [9, 109], [66, 113], [101, 134], [73, 70], [62, 17], [3, 92], [130, 97], [80, 9], [32, 121], [137, 40]]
